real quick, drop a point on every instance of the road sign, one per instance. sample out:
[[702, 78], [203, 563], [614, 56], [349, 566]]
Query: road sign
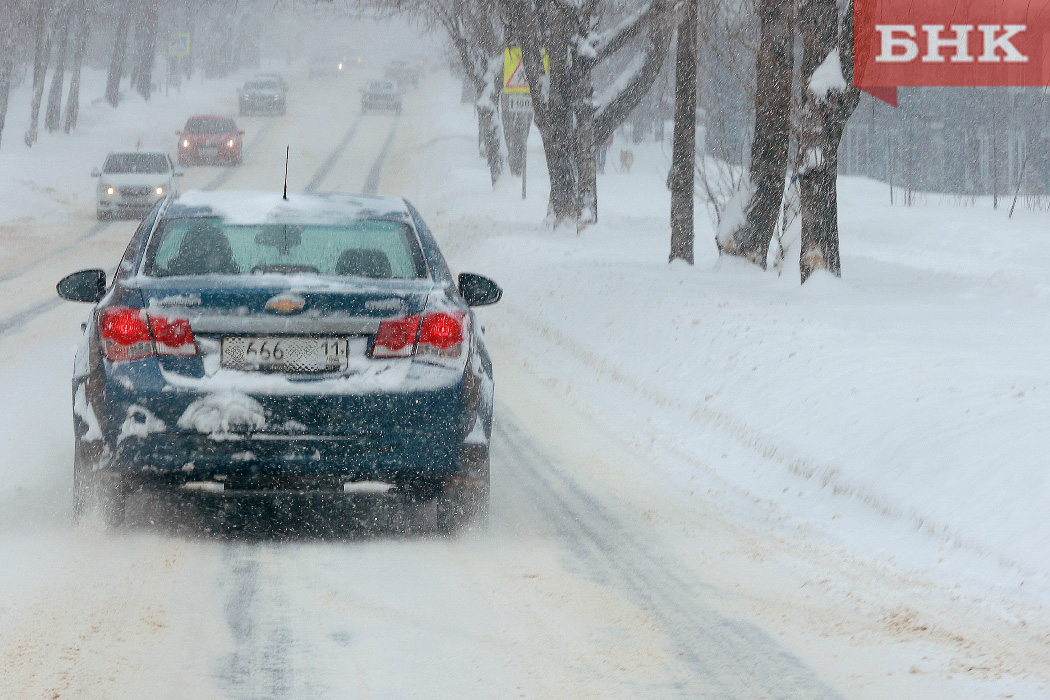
[[519, 103], [514, 80], [179, 46]]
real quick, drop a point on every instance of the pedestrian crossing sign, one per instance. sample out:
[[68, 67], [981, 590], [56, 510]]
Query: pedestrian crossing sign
[[514, 80]]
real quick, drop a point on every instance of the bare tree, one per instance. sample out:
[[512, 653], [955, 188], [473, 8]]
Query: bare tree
[[147, 51], [83, 28], [828, 100], [580, 40], [13, 20], [42, 36], [53, 115], [117, 52], [763, 191], [683, 157]]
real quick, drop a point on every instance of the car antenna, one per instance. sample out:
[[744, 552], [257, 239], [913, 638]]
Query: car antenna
[[287, 150]]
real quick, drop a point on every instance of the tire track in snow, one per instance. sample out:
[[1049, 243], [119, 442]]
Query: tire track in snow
[[729, 658], [270, 660]]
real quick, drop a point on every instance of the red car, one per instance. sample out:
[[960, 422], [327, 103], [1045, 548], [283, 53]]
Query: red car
[[210, 139]]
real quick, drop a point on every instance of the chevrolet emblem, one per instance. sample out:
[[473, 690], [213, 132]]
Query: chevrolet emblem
[[285, 304]]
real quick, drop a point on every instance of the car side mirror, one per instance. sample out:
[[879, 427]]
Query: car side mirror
[[96, 173], [477, 290], [179, 172], [241, 132], [87, 286], [178, 133]]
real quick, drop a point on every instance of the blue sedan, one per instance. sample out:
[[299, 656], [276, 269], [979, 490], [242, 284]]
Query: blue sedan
[[256, 344]]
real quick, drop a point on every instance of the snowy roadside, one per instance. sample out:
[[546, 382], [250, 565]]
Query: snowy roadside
[[899, 411]]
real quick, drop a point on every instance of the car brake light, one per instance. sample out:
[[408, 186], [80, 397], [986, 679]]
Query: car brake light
[[436, 337], [442, 330], [128, 334], [173, 336], [124, 334], [396, 337]]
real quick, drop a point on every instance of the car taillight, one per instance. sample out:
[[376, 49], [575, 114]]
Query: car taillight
[[130, 334], [124, 334], [442, 331], [396, 337], [443, 338], [438, 337], [173, 336]]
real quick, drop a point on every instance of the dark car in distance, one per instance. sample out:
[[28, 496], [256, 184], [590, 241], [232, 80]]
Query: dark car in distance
[[262, 95], [210, 139], [252, 345]]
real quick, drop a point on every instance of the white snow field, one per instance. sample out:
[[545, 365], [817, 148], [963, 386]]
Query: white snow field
[[709, 481]]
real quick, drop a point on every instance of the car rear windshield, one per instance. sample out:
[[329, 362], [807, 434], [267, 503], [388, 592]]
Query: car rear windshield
[[118, 163], [376, 248], [209, 125]]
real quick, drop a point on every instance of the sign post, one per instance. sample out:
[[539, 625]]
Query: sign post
[[517, 111]]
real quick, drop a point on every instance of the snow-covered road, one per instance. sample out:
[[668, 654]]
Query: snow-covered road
[[601, 574]]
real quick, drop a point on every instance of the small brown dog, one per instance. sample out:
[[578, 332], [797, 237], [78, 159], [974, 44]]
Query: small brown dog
[[626, 159]]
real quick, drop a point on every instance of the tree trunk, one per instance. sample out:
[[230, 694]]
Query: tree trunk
[[53, 115], [147, 49], [489, 122], [825, 112], [116, 61], [555, 118], [7, 60], [584, 108], [683, 150], [769, 147], [40, 63], [80, 44]]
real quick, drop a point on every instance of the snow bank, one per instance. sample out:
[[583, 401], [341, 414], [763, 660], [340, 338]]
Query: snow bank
[[900, 410]]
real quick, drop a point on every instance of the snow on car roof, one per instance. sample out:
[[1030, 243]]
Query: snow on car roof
[[247, 207]]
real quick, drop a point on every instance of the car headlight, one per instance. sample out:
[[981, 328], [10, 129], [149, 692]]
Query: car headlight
[[185, 143], [110, 191], [230, 143], [160, 190]]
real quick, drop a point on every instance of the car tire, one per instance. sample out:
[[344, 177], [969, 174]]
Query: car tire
[[108, 496], [465, 506], [102, 214]]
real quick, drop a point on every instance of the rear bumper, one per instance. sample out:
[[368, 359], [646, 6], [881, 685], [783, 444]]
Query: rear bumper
[[296, 440]]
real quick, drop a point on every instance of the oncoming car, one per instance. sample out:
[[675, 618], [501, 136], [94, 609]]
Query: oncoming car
[[130, 183], [210, 139], [254, 345], [262, 95]]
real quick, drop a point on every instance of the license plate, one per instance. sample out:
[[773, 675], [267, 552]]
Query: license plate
[[209, 151], [288, 354]]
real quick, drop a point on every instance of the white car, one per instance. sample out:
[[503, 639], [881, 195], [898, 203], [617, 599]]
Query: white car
[[131, 182]]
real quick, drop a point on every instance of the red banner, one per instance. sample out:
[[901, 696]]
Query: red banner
[[951, 43]]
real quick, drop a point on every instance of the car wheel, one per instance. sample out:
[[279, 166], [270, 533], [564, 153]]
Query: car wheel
[[108, 496], [465, 504], [102, 214]]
